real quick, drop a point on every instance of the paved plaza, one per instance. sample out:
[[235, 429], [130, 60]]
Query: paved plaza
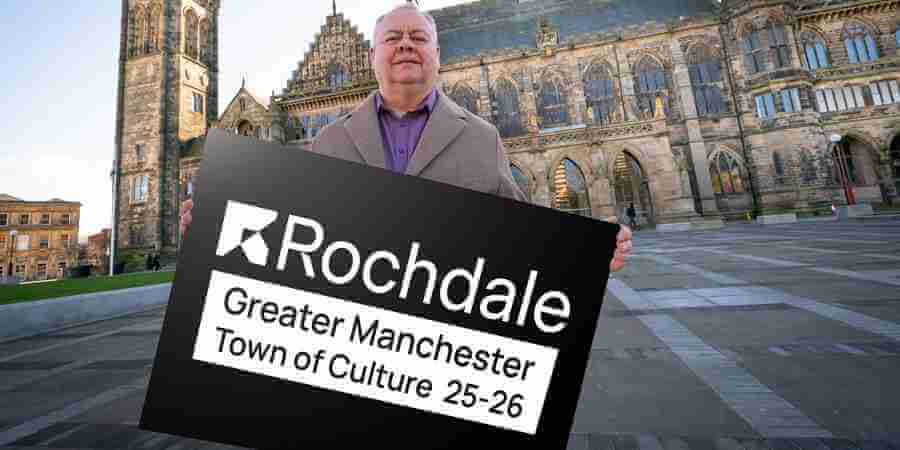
[[750, 337]]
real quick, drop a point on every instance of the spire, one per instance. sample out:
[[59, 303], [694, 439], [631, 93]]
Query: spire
[[243, 82], [333, 7]]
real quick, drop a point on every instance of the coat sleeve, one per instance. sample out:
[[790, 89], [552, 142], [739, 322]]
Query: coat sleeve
[[507, 187]]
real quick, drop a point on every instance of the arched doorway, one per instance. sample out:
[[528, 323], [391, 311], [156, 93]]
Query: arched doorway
[[569, 189], [245, 128], [729, 183], [853, 164], [895, 160], [632, 186]]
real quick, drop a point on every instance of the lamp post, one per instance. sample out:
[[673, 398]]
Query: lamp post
[[843, 169]]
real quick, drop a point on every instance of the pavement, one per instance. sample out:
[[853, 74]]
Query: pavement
[[750, 337]]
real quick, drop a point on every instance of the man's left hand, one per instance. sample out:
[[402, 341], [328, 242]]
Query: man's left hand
[[623, 249]]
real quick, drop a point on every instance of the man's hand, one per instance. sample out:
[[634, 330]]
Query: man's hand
[[623, 249], [186, 214]]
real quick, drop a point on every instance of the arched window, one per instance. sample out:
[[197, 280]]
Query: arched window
[[600, 94], [138, 31], [570, 190], [464, 96], [753, 62], [781, 54], [859, 44], [507, 116], [726, 174], [191, 23], [551, 105], [650, 82], [706, 76], [336, 76], [204, 41], [815, 52], [778, 163], [154, 15], [521, 180]]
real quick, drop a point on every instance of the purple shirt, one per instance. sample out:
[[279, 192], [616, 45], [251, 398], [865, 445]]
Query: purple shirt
[[400, 135]]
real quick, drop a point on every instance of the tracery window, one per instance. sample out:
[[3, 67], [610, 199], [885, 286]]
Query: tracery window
[[726, 174], [706, 77], [522, 180], [815, 52], [465, 96], [337, 78], [191, 24], [570, 192], [154, 16], [204, 41], [551, 105], [650, 83], [600, 96], [506, 115], [859, 43], [138, 31]]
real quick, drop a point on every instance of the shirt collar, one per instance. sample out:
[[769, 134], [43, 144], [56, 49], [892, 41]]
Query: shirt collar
[[427, 105]]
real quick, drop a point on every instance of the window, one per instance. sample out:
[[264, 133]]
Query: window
[[61, 269], [198, 103], [23, 242], [650, 82], [4, 220], [204, 40], [753, 62], [781, 55], [65, 219], [45, 219], [243, 104], [506, 112], [807, 168], [522, 180], [790, 100], [778, 164], [897, 38], [551, 106], [190, 40], [840, 99], [600, 95], [139, 188], [64, 240], [885, 92], [44, 241], [816, 55], [41, 271], [765, 106], [706, 75], [465, 96], [24, 219], [336, 77], [726, 174], [153, 18], [860, 44], [20, 269], [139, 152], [3, 242]]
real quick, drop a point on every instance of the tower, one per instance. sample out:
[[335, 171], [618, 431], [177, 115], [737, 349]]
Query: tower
[[167, 95]]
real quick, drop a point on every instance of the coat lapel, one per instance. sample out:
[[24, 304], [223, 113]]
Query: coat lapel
[[365, 133], [445, 124]]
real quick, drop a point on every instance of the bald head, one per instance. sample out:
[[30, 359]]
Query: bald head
[[406, 8]]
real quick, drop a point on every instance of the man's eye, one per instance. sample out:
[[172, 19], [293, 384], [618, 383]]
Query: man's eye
[[420, 39], [392, 39]]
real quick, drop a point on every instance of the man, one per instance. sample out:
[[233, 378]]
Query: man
[[632, 215], [408, 126]]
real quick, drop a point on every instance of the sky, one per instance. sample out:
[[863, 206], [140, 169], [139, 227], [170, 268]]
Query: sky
[[61, 76]]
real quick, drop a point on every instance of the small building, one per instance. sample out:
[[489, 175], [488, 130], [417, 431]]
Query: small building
[[38, 239]]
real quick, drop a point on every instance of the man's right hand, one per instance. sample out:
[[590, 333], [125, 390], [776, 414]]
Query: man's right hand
[[186, 214]]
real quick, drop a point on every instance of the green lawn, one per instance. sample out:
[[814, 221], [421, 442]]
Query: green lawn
[[63, 288]]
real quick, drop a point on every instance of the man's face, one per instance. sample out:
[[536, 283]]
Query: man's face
[[405, 51]]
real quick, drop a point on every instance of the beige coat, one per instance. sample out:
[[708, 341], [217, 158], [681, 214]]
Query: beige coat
[[456, 147]]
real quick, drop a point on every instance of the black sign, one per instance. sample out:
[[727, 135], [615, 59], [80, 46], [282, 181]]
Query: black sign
[[319, 302]]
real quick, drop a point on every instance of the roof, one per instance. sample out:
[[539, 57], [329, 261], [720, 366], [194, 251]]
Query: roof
[[9, 198], [481, 27]]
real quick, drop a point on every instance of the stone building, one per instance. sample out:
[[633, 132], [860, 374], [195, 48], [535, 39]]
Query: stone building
[[38, 239], [167, 97], [694, 110]]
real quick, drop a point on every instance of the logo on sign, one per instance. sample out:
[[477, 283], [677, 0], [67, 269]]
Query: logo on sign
[[242, 228]]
